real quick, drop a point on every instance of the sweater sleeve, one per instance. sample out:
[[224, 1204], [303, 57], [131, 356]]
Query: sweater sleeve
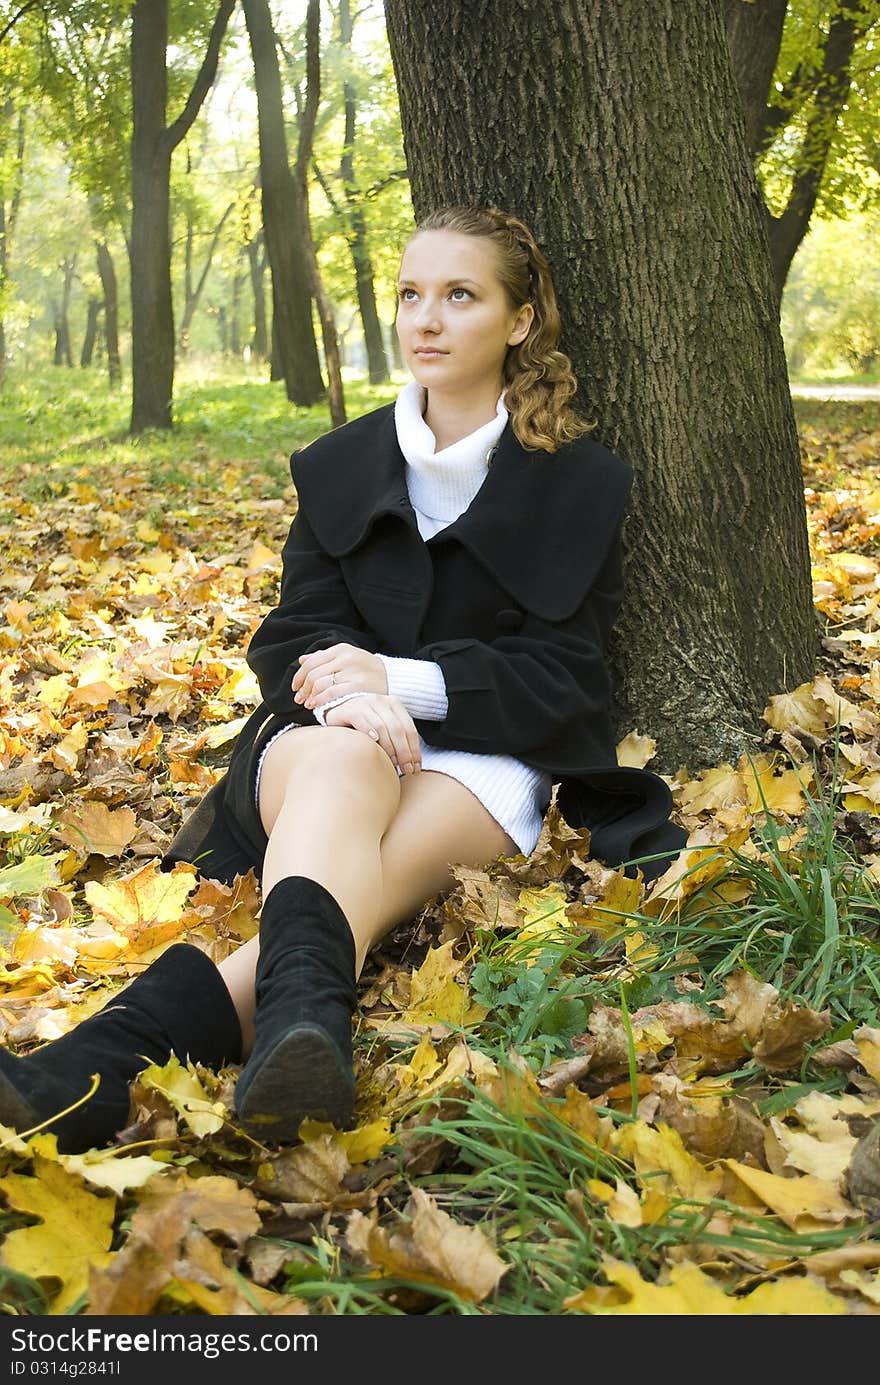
[[420, 685]]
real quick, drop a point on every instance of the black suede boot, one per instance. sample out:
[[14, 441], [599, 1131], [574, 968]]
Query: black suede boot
[[179, 1005], [306, 993]]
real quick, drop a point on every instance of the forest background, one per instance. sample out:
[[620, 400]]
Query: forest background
[[576, 1094]]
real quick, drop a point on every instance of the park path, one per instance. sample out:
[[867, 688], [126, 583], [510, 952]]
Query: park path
[[836, 391]]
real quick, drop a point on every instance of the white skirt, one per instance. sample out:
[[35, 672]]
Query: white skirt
[[515, 794]]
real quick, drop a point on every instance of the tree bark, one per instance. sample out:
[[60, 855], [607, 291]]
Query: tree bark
[[107, 274], [91, 333], [615, 132], [256, 256], [754, 35], [152, 314], [293, 335], [11, 181], [301, 179], [377, 361], [192, 292], [62, 354], [787, 231]]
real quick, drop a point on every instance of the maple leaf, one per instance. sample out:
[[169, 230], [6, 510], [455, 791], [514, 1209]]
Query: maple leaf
[[431, 1248], [689, 1292], [74, 1232], [144, 906]]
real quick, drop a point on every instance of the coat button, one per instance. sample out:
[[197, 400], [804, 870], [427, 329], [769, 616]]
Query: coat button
[[509, 619]]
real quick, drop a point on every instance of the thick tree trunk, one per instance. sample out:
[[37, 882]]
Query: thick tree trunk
[[152, 314], [91, 333], [293, 334], [615, 131], [107, 273]]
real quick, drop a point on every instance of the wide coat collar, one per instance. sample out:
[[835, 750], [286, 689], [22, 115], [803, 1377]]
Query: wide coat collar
[[542, 523]]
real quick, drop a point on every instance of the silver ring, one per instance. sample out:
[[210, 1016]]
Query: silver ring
[[332, 677]]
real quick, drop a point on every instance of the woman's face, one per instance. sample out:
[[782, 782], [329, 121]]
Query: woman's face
[[454, 319]]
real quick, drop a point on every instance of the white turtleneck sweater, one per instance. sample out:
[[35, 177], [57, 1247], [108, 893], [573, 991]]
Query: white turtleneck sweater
[[441, 485]]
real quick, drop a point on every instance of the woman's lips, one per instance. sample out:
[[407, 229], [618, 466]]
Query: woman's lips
[[428, 353]]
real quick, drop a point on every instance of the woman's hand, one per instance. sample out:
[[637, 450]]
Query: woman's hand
[[387, 721], [355, 670]]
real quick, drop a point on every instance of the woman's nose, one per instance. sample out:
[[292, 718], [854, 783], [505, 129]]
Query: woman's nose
[[428, 313]]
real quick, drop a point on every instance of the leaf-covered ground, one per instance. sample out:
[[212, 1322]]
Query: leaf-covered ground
[[575, 1095]]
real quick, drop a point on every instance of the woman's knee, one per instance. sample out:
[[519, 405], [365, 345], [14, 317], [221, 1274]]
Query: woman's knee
[[337, 758]]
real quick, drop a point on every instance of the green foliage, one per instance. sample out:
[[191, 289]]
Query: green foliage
[[849, 179], [830, 318]]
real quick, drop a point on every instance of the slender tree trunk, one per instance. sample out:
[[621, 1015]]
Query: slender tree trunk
[[256, 257], [293, 336], [787, 231], [304, 154], [91, 333], [235, 314], [754, 35], [107, 273], [192, 291], [394, 346], [655, 229], [818, 88], [377, 361], [61, 315], [11, 181], [152, 314]]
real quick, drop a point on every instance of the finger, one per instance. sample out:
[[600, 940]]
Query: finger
[[403, 753], [309, 686], [375, 727], [329, 693]]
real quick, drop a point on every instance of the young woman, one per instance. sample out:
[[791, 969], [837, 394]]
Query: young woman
[[449, 584]]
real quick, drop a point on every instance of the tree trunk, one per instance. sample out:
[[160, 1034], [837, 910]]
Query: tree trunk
[[754, 34], [615, 132], [11, 182], [787, 231], [293, 334], [377, 361], [107, 273], [91, 332], [61, 315], [192, 292], [235, 314], [300, 177], [256, 255], [394, 347], [152, 314]]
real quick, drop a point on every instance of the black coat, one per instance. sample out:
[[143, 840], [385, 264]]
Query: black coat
[[514, 600]]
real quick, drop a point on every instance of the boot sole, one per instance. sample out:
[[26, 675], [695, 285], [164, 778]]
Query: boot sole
[[304, 1076]]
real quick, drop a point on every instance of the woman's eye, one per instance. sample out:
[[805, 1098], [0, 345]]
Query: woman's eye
[[464, 291]]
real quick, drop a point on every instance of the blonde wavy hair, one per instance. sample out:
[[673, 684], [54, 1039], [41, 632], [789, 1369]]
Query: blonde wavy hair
[[538, 378]]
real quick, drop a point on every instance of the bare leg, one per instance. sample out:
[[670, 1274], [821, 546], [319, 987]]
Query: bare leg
[[381, 848]]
